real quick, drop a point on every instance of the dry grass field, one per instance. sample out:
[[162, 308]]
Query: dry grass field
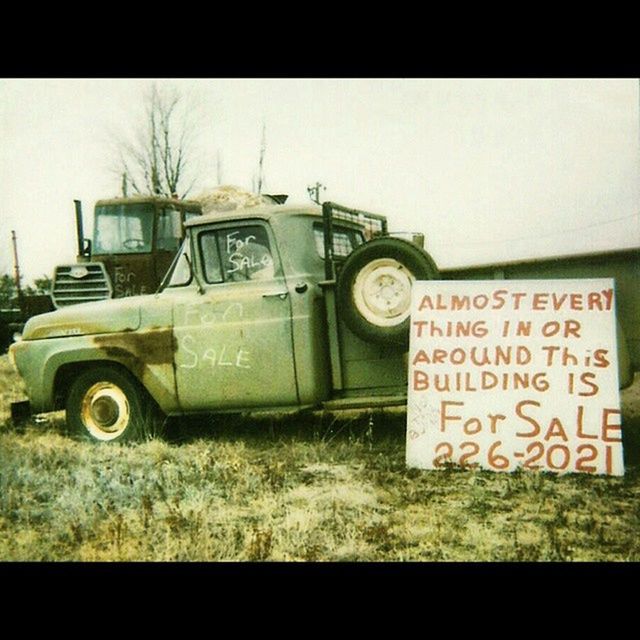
[[299, 489]]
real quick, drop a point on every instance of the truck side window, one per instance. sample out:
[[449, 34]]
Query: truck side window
[[210, 257], [246, 254], [344, 240]]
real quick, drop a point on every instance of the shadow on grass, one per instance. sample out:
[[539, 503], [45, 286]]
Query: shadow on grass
[[44, 423], [631, 442], [374, 427]]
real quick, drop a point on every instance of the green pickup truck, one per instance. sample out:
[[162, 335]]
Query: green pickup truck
[[268, 308]]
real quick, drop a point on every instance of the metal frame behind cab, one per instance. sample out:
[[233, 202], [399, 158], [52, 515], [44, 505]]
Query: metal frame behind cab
[[373, 223]]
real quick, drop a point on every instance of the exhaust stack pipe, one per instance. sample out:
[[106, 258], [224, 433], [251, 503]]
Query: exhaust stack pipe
[[84, 246]]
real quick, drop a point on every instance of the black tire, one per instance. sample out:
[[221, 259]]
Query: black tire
[[5, 337], [106, 404], [353, 305]]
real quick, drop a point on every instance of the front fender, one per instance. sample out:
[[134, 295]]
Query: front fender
[[38, 362], [147, 355]]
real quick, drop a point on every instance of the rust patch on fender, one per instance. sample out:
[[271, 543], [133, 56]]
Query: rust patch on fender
[[139, 349]]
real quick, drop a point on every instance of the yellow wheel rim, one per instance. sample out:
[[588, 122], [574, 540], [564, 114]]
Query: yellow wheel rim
[[382, 292], [105, 411]]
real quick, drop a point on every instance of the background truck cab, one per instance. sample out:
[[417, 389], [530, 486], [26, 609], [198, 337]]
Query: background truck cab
[[133, 243]]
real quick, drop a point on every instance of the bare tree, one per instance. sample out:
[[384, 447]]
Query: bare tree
[[258, 181], [158, 158]]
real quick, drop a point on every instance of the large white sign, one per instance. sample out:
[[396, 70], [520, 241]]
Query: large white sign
[[514, 374]]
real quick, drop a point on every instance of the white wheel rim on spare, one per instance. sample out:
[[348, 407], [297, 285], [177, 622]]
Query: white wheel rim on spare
[[382, 292], [105, 411]]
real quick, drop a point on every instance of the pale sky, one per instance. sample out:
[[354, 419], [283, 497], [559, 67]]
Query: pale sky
[[488, 170]]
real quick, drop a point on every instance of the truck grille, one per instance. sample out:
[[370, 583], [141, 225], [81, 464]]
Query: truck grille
[[76, 283]]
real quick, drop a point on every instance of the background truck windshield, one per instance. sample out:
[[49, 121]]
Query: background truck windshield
[[123, 229]]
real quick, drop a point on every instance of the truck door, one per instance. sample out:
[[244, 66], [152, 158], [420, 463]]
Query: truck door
[[234, 347]]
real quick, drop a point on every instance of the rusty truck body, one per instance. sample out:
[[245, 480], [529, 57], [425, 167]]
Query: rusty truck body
[[270, 308], [252, 316]]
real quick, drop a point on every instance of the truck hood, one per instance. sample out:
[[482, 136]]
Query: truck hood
[[106, 316]]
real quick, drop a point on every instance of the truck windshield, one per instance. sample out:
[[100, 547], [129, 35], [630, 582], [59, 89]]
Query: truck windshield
[[123, 228]]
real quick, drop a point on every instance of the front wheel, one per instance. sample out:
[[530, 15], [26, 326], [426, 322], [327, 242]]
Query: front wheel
[[105, 404]]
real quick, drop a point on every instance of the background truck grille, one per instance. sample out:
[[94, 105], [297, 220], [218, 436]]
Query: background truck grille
[[76, 283]]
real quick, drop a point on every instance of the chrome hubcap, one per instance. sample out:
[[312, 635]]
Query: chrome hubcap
[[105, 411]]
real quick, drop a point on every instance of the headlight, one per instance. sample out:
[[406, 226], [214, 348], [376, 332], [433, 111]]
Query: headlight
[[17, 337]]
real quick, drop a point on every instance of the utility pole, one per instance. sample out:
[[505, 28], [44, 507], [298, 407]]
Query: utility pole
[[219, 167], [16, 267], [263, 149], [314, 191]]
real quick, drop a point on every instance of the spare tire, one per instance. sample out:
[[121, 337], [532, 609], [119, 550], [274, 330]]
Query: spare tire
[[374, 288]]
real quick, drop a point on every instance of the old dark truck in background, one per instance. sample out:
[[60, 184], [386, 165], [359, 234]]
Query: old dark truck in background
[[133, 243], [269, 308]]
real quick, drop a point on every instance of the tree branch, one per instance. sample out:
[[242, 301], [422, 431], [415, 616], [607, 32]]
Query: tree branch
[[156, 158]]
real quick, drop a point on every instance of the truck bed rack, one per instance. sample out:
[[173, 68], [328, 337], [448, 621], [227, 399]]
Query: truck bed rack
[[374, 225]]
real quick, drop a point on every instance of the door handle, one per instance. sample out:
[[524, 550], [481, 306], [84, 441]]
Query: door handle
[[278, 294]]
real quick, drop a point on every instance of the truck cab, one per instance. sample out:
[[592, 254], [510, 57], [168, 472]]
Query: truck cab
[[270, 308]]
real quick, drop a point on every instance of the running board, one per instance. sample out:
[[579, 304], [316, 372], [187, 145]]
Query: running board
[[364, 402]]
